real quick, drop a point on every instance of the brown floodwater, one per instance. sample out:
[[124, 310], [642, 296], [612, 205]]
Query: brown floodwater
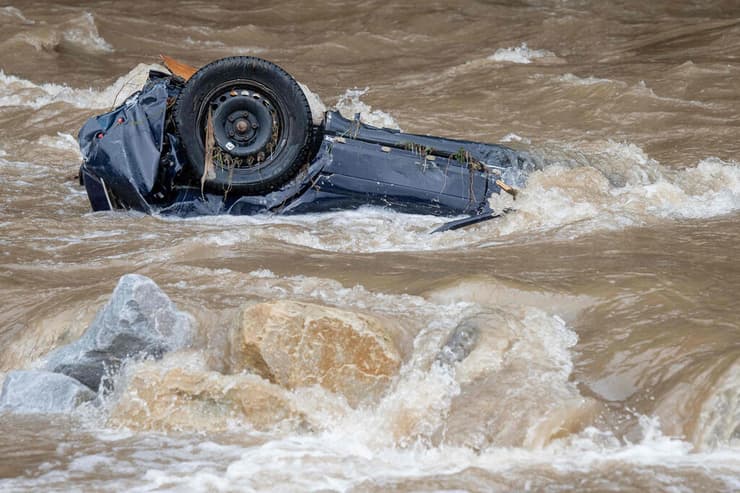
[[615, 285]]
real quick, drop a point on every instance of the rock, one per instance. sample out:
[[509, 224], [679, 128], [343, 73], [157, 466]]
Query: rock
[[180, 393], [139, 320], [515, 384], [460, 343], [508, 409], [299, 344], [36, 391]]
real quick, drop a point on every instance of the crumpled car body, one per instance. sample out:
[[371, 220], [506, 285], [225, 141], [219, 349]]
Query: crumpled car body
[[132, 159]]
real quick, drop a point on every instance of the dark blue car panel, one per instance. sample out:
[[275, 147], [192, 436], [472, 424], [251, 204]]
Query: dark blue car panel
[[132, 160]]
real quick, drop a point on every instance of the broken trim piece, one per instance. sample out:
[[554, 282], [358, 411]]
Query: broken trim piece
[[179, 69], [467, 221]]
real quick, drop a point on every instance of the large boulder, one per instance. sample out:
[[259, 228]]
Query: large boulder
[[138, 321], [299, 344], [36, 391], [181, 393]]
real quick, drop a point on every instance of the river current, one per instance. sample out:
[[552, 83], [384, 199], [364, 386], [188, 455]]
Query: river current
[[615, 284]]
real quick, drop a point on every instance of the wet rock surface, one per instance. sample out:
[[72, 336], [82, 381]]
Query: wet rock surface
[[181, 393], [138, 321], [460, 343], [37, 391], [298, 344]]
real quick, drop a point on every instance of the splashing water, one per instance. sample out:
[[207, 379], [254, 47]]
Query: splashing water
[[519, 54], [588, 338], [22, 92], [349, 105]]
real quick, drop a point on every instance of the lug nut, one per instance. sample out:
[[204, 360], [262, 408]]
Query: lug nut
[[242, 126]]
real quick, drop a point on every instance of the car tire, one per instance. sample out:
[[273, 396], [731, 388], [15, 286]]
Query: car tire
[[262, 125]]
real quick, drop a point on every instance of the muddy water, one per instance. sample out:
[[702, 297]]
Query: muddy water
[[615, 284]]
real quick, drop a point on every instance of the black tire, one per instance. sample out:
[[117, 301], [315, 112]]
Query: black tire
[[245, 96]]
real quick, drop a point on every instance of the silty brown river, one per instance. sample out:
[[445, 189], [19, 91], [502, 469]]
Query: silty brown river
[[609, 348]]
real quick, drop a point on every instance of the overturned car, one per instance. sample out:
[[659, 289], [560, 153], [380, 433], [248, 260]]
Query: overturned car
[[238, 137]]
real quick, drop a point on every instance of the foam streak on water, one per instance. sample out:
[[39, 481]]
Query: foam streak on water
[[21, 92], [341, 464], [519, 54]]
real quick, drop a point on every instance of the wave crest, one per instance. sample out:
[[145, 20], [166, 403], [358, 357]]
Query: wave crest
[[17, 91]]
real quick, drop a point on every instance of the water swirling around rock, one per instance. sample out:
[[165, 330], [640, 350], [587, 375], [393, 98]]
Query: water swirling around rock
[[588, 339]]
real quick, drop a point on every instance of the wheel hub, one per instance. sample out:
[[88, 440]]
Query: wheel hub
[[242, 126], [243, 123]]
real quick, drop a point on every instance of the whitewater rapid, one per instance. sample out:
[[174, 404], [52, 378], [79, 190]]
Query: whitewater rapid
[[604, 305]]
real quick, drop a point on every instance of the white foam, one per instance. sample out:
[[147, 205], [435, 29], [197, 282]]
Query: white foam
[[621, 88], [318, 108], [608, 187], [719, 419], [519, 54], [357, 449], [61, 141], [16, 91], [247, 50], [15, 13], [90, 463], [512, 137], [586, 81], [349, 105], [614, 185], [77, 33], [341, 463], [586, 196], [83, 32], [367, 229], [203, 43]]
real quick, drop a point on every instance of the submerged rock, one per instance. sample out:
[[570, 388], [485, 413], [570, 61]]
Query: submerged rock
[[460, 343], [36, 391], [138, 321], [299, 344], [180, 393], [515, 386]]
